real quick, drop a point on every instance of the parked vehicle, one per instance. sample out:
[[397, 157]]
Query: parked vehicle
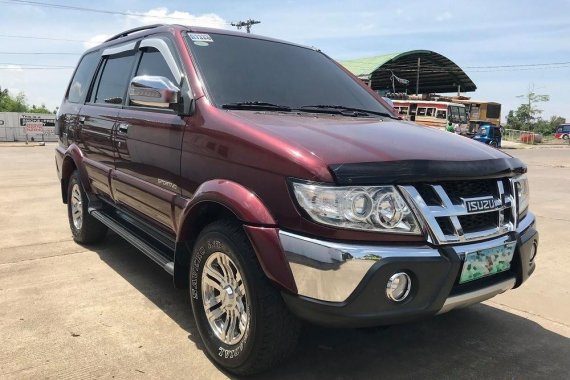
[[480, 112], [562, 132], [279, 188], [490, 135], [433, 113]]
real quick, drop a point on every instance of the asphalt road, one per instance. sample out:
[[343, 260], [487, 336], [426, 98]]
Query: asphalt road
[[68, 311]]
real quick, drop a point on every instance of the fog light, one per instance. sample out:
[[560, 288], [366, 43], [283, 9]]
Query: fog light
[[533, 251], [398, 287]]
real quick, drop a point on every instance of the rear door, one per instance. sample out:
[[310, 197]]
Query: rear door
[[148, 141], [98, 116], [68, 127]]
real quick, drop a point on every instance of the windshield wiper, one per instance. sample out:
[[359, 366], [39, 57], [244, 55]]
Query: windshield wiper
[[255, 106], [344, 110]]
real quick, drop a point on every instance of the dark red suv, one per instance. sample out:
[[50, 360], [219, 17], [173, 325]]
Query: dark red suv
[[278, 188]]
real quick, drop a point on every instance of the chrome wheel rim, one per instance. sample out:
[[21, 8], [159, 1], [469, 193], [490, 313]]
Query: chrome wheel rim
[[224, 298], [76, 206]]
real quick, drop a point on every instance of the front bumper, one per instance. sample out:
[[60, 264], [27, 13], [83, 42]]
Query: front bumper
[[344, 285]]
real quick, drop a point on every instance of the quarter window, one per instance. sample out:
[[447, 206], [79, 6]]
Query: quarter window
[[114, 79], [82, 78]]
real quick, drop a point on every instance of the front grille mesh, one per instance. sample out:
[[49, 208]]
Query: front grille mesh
[[443, 207], [479, 222], [470, 189]]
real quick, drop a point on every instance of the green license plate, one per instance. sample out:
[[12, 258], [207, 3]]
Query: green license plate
[[487, 262]]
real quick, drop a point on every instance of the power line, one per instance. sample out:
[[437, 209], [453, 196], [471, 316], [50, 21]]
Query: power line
[[36, 68], [93, 10], [35, 64], [519, 65], [35, 53], [41, 38]]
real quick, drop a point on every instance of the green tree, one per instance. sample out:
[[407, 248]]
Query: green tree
[[547, 127], [40, 109], [520, 118], [18, 103], [531, 112]]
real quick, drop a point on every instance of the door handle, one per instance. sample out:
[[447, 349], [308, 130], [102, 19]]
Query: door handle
[[123, 128]]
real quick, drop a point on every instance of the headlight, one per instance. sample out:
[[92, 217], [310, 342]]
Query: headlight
[[372, 208], [522, 193]]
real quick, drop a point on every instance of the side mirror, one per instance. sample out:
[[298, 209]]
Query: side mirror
[[153, 91]]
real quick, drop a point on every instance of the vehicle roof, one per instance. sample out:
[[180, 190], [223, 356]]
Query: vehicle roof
[[173, 28], [470, 101]]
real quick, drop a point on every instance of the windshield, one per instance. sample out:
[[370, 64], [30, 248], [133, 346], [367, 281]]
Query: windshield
[[462, 114], [482, 131], [239, 70]]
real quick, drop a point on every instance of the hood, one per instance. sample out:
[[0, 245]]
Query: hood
[[340, 140]]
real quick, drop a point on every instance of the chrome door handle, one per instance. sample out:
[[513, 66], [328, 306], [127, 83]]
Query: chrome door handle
[[123, 128]]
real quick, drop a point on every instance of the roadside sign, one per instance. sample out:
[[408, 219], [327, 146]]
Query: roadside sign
[[34, 128]]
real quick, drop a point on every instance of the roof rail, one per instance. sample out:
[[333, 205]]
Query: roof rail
[[127, 32]]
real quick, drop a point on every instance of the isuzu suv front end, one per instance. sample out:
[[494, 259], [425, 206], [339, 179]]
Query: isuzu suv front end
[[480, 241]]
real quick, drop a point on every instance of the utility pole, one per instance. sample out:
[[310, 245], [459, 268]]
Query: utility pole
[[248, 24], [418, 78]]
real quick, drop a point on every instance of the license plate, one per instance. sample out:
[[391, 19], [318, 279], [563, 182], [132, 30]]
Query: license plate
[[487, 262]]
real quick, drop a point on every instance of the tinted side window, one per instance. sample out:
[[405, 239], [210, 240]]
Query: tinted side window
[[114, 79], [82, 78], [153, 63]]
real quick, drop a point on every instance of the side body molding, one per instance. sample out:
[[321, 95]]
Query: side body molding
[[259, 226]]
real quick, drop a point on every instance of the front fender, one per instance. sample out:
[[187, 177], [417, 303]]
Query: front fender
[[259, 225], [242, 202]]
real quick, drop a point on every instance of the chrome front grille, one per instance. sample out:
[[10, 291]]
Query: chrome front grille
[[444, 212]]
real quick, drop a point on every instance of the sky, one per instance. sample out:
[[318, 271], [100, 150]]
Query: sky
[[470, 33]]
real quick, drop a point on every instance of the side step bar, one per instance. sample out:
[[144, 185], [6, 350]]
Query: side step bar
[[134, 237]]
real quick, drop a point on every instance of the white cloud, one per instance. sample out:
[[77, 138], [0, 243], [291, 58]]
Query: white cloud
[[11, 68], [159, 15], [96, 40], [444, 16], [162, 15]]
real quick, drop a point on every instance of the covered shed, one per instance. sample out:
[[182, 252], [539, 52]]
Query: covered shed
[[415, 71]]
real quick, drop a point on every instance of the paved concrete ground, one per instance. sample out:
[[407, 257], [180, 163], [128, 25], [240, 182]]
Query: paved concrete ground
[[68, 311]]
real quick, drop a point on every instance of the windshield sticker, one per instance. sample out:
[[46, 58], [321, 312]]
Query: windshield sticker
[[201, 37]]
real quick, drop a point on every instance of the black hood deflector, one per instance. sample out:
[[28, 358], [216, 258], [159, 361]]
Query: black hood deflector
[[413, 171]]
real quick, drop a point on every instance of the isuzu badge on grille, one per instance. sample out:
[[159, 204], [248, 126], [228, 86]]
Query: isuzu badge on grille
[[479, 204]]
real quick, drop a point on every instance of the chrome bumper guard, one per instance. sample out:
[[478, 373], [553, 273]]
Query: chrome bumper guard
[[330, 271]]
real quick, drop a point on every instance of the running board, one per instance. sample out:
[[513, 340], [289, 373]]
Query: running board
[[135, 237]]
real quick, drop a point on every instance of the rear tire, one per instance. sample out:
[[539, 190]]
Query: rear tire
[[227, 282], [565, 137], [84, 228]]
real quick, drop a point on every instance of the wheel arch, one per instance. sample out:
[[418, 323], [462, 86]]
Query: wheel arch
[[218, 199], [72, 160]]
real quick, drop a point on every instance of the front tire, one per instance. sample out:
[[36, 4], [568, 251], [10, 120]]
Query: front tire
[[84, 228], [241, 317]]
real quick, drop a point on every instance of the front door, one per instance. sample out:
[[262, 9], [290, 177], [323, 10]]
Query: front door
[[148, 141]]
